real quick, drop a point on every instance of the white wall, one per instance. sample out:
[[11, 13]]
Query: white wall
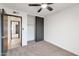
[[62, 29], [30, 27], [24, 22]]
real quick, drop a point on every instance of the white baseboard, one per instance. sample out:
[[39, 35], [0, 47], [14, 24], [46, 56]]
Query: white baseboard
[[62, 47]]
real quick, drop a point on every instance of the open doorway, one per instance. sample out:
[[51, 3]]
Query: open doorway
[[35, 29], [30, 28]]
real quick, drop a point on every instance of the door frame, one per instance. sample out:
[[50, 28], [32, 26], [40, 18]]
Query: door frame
[[2, 18]]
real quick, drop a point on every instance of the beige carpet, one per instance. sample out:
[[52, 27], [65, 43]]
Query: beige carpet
[[41, 48]]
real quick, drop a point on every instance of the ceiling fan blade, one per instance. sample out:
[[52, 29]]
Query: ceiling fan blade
[[34, 4], [49, 3], [49, 8], [39, 9]]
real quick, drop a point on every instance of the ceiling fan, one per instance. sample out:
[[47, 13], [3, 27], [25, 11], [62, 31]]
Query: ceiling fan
[[43, 5]]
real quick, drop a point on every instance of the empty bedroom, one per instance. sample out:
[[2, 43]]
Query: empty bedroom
[[39, 29]]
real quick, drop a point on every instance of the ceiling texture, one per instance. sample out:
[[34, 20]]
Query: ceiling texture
[[33, 9]]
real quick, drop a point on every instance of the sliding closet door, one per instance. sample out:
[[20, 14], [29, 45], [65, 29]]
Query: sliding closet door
[[0, 37], [39, 26]]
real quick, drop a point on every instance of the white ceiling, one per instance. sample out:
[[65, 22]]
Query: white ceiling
[[33, 10]]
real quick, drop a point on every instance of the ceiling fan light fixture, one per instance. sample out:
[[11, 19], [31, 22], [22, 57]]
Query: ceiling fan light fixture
[[44, 5]]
